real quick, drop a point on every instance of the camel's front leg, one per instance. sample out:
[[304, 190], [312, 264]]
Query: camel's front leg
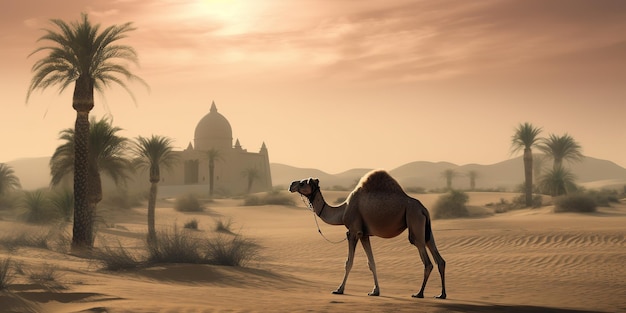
[[352, 240], [365, 241]]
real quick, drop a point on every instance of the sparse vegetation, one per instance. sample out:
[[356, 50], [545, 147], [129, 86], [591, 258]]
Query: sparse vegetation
[[604, 197], [451, 205], [274, 197], [188, 203], [63, 202], [236, 251], [39, 209], [517, 203], [24, 239], [46, 275], [223, 226], [577, 202], [180, 246], [192, 224], [175, 246], [115, 259]]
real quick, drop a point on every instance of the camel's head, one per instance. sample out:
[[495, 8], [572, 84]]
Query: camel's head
[[305, 187]]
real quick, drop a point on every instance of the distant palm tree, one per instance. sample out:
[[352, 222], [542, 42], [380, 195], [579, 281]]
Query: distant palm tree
[[8, 180], [153, 153], [473, 175], [526, 136], [107, 154], [449, 175], [213, 155], [251, 174], [561, 148], [81, 54], [557, 181]]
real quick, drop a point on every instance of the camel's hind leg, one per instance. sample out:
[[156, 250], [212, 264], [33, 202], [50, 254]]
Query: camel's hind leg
[[441, 264], [365, 241], [352, 240], [419, 226]]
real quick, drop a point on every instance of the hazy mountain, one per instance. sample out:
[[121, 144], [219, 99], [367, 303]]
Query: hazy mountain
[[595, 173], [507, 174]]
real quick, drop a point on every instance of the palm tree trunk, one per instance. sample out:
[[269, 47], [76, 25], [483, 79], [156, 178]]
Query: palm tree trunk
[[151, 213], [528, 176], [82, 102], [94, 193]]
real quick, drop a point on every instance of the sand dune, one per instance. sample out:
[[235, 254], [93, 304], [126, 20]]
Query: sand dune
[[520, 261]]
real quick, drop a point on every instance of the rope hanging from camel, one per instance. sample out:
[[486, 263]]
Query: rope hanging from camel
[[309, 206]]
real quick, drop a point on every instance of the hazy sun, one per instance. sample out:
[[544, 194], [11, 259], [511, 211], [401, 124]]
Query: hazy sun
[[235, 15]]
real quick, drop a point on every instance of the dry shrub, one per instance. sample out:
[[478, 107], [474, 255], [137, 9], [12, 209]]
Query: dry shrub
[[235, 251], [270, 198], [115, 259], [175, 246], [188, 203], [451, 205], [575, 203]]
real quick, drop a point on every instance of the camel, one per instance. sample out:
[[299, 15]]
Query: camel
[[377, 207]]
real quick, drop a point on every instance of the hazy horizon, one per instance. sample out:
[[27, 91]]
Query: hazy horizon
[[334, 86]]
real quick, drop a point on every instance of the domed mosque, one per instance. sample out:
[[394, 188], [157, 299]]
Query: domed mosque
[[236, 170]]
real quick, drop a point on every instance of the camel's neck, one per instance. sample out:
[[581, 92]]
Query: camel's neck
[[329, 214]]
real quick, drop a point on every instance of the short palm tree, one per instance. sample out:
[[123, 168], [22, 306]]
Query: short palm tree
[[153, 153], [213, 155], [8, 180], [251, 174], [526, 137], [82, 54], [473, 175], [561, 148], [449, 175], [557, 182], [107, 154]]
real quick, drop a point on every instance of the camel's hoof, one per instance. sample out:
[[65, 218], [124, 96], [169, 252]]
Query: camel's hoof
[[417, 295], [337, 292], [441, 296], [374, 293]]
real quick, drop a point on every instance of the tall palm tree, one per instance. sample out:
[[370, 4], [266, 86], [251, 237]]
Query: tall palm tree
[[526, 136], [561, 148], [251, 174], [8, 180], [81, 54], [107, 154], [213, 155], [449, 175], [153, 153], [557, 181]]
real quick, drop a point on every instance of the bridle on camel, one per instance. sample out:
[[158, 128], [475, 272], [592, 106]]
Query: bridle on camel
[[309, 204]]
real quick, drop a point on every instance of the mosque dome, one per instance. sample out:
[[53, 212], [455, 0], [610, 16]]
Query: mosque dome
[[213, 132]]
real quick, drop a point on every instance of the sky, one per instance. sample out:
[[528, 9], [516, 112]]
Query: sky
[[340, 84]]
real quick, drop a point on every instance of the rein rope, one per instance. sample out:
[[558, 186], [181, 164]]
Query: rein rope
[[309, 206]]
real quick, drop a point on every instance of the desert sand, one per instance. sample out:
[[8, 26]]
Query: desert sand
[[530, 260]]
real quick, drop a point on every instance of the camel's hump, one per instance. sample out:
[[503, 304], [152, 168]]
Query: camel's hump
[[379, 181]]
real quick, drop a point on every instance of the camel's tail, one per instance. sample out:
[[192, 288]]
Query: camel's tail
[[428, 229]]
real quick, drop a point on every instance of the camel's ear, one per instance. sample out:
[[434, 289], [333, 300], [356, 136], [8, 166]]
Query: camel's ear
[[314, 181]]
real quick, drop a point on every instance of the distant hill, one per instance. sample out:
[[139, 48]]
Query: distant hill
[[591, 172]]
